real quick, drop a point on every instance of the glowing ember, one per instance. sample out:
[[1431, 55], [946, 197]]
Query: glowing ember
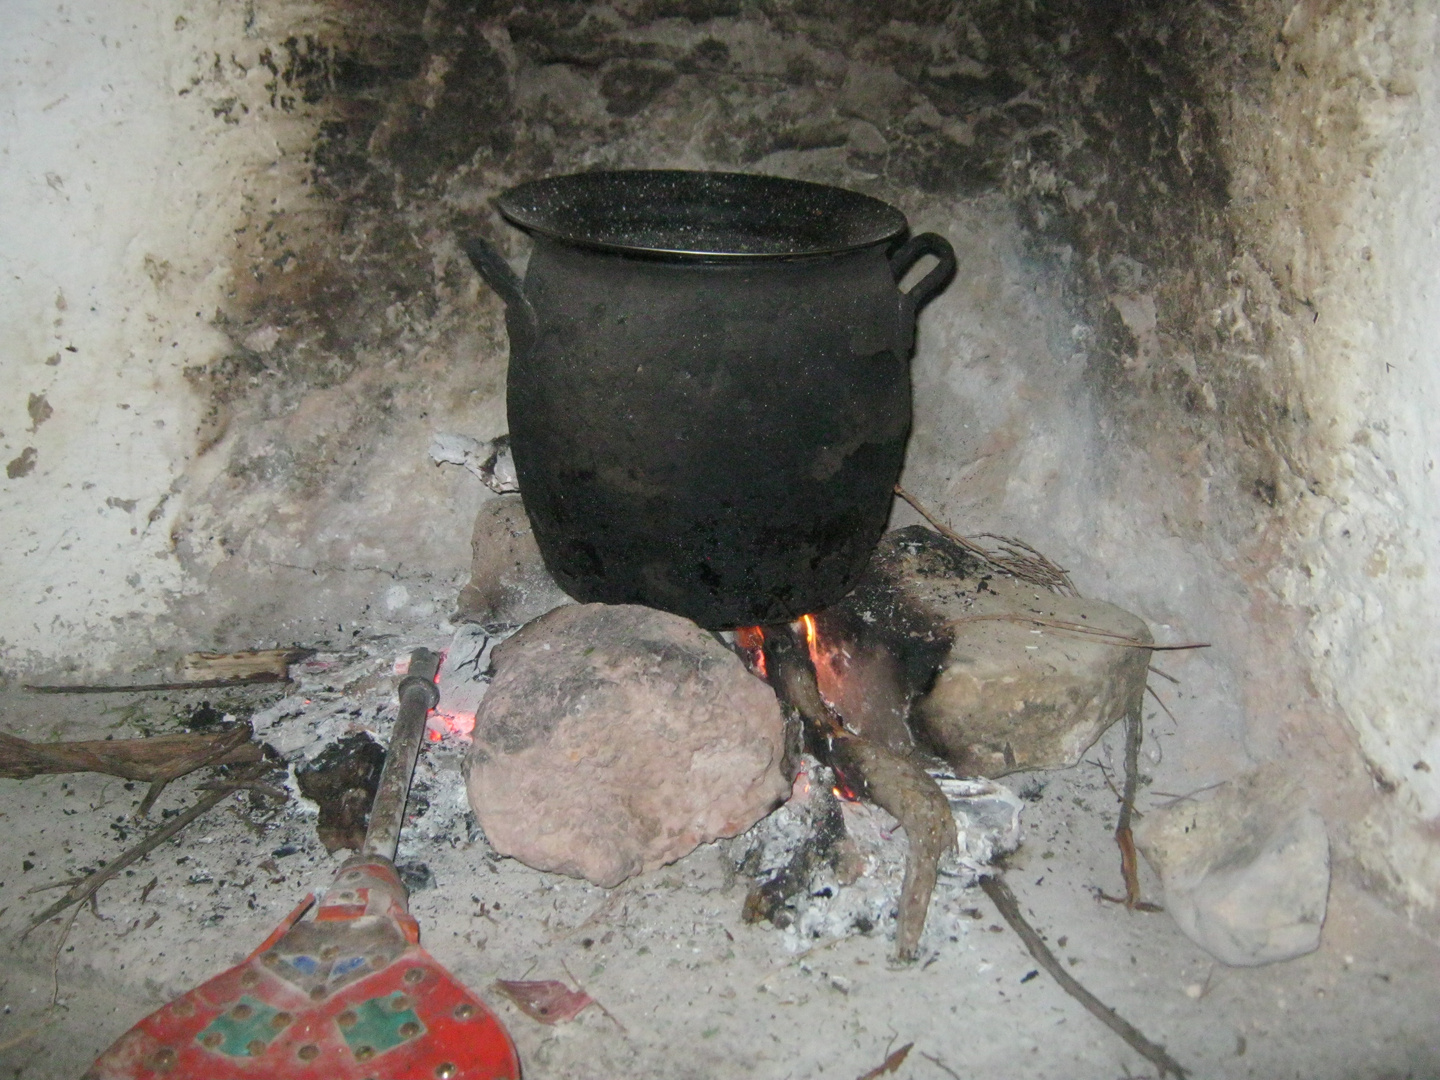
[[751, 640], [440, 723], [800, 786]]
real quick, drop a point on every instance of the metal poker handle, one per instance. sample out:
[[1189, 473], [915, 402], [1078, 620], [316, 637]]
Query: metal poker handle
[[418, 695]]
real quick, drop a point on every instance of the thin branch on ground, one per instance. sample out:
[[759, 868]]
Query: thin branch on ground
[[1129, 862], [1105, 775], [55, 956], [1189, 794], [1164, 675], [87, 886], [1001, 896], [234, 739], [892, 1062], [1159, 701], [940, 1065]]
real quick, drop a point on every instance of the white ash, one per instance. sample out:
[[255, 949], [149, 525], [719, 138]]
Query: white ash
[[858, 890], [341, 693], [464, 677], [335, 694], [490, 462]]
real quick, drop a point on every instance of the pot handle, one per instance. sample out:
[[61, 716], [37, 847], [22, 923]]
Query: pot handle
[[928, 287], [520, 320]]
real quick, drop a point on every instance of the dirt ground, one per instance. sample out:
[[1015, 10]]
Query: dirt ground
[[690, 989]]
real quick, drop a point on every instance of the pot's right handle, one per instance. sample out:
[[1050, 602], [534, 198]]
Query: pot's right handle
[[928, 287], [520, 320]]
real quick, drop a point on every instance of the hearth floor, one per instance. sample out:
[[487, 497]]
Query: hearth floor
[[691, 991]]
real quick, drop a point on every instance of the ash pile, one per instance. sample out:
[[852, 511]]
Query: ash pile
[[826, 865]]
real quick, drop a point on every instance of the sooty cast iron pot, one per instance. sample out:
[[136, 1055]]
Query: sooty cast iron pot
[[709, 387]]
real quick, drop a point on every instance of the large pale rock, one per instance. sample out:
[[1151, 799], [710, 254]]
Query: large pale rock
[[509, 584], [615, 739], [994, 692], [1246, 871]]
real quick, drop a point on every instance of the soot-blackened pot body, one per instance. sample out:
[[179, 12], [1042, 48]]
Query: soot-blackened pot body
[[716, 433]]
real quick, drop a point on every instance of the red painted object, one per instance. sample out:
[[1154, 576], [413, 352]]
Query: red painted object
[[347, 995]]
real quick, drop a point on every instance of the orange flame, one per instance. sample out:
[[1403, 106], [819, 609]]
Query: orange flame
[[752, 640], [812, 635]]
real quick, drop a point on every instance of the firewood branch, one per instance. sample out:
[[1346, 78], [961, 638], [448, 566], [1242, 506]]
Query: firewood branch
[[86, 887], [160, 757], [1003, 899], [896, 783]]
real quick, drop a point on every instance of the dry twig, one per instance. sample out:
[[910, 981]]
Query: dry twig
[[1129, 869], [87, 886], [143, 688], [892, 1062], [1009, 907], [237, 736], [147, 760], [602, 1008], [1015, 557], [1160, 701], [940, 1065], [1106, 637]]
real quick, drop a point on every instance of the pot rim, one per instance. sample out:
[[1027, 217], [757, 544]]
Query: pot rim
[[689, 215]]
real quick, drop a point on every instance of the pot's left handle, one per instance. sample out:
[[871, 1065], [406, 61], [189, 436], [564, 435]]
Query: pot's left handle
[[929, 286], [520, 321]]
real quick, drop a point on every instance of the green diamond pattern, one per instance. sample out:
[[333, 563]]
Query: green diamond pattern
[[238, 1034], [378, 1023]]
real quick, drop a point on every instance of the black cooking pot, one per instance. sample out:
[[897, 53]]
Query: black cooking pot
[[709, 388]]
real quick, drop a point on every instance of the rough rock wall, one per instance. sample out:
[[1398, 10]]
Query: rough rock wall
[[1168, 359], [1339, 202]]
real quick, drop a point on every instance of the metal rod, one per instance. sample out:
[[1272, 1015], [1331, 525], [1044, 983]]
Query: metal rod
[[418, 696]]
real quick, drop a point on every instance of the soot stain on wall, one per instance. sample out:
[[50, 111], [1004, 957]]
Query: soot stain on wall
[[1087, 117], [353, 315]]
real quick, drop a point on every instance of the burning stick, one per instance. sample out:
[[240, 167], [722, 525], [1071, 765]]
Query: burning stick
[[886, 778], [1027, 564]]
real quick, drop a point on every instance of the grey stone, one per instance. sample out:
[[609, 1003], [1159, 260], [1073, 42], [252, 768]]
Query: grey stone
[[1246, 872], [508, 584], [616, 739], [995, 692], [865, 138], [874, 93]]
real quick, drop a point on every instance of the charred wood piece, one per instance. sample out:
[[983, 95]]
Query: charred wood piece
[[342, 781], [772, 899]]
